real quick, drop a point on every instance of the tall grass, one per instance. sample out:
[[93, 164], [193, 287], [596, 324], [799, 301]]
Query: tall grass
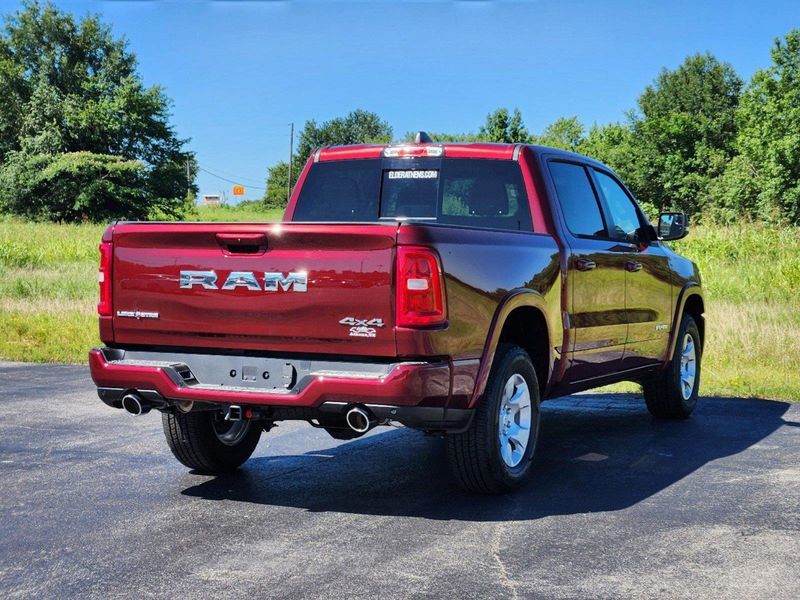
[[26, 245], [752, 349], [236, 213], [751, 275], [746, 263], [48, 284]]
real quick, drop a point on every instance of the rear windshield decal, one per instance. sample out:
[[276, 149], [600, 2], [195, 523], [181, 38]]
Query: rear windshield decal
[[413, 174]]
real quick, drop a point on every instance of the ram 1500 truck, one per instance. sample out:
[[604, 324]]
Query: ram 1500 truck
[[447, 287]]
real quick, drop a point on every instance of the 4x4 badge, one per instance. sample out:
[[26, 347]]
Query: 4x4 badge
[[362, 327]]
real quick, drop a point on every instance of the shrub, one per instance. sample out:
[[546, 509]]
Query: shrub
[[79, 186]]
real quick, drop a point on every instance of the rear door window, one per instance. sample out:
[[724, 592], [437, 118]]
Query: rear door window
[[578, 201]]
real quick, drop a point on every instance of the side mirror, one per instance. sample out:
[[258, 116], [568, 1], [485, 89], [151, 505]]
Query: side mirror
[[672, 226]]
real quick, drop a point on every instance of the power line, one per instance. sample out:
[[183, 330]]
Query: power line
[[235, 182], [245, 180], [226, 177]]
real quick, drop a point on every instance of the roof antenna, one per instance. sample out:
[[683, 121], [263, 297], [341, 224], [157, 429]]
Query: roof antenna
[[422, 138]]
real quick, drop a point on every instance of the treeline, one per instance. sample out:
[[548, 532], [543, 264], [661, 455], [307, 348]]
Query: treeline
[[81, 137], [700, 140]]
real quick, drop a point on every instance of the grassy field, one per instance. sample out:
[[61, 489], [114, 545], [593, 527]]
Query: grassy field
[[751, 276], [234, 213], [752, 280], [48, 285], [48, 290]]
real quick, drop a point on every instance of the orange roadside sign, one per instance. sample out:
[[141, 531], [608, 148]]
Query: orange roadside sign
[[238, 190]]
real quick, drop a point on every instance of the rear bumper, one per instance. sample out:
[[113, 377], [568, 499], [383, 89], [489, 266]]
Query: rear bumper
[[413, 393]]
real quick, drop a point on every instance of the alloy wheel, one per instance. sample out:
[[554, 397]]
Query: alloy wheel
[[514, 423]]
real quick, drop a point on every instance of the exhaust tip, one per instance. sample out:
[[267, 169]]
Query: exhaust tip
[[185, 406], [134, 405], [359, 420]]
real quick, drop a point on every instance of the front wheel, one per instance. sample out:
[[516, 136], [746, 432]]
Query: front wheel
[[205, 442], [673, 394], [494, 455]]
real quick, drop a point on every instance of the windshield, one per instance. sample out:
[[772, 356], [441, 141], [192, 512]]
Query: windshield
[[467, 192]]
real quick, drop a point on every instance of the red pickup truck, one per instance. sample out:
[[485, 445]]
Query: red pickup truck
[[447, 287]]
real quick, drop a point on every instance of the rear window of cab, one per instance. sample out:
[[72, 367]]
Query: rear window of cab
[[467, 192]]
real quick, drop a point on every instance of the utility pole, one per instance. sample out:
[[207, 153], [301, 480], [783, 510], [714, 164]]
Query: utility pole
[[291, 152], [188, 179]]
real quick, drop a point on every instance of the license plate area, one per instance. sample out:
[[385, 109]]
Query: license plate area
[[206, 370], [268, 374]]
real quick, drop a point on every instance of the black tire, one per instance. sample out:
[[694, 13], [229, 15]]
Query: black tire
[[194, 441], [475, 455], [664, 394]]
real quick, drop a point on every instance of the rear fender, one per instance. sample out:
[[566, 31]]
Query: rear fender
[[514, 299]]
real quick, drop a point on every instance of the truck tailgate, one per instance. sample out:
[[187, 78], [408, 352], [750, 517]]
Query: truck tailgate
[[172, 286]]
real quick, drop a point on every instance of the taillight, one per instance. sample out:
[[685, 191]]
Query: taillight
[[420, 288], [104, 278]]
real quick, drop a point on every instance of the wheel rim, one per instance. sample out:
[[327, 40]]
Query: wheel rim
[[230, 433], [688, 366], [514, 424]]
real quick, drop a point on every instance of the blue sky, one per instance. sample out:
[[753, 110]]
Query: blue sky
[[239, 72]]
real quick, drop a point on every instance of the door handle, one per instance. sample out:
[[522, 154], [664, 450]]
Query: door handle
[[633, 266], [584, 264]]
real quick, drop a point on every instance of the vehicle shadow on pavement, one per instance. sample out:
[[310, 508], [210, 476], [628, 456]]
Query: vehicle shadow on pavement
[[596, 453]]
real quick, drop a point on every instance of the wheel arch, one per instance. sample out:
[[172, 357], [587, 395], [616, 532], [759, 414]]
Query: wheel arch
[[691, 302], [518, 319]]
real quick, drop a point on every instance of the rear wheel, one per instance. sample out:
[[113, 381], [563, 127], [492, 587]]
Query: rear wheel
[[673, 395], [204, 441], [494, 455]]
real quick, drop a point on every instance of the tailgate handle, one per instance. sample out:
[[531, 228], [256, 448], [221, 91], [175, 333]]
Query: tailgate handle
[[243, 243]]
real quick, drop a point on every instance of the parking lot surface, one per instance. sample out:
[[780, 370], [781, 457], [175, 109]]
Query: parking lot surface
[[94, 506]]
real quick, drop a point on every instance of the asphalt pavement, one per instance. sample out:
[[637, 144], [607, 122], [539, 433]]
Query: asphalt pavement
[[93, 505]]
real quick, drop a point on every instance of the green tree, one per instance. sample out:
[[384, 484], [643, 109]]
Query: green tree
[[615, 146], [71, 88], [357, 127], [764, 180], [685, 131], [277, 175], [566, 133], [502, 126], [444, 137]]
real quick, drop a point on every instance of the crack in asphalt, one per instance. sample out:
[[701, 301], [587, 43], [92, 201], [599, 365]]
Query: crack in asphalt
[[505, 579]]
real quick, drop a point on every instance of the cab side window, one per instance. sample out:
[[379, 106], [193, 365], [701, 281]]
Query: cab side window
[[577, 199], [624, 218]]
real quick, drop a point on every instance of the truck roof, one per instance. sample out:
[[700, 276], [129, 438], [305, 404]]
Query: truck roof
[[486, 150], [451, 149]]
